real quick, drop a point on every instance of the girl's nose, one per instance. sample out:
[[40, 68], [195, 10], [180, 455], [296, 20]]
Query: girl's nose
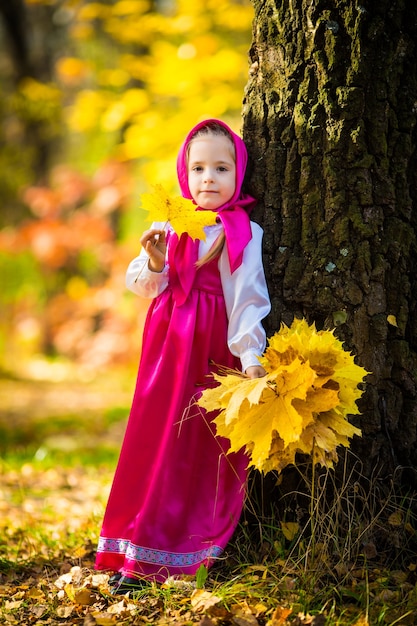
[[208, 176]]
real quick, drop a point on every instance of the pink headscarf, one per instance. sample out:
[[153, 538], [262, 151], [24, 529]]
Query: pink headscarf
[[234, 215]]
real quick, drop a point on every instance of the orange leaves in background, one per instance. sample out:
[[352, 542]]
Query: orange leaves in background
[[54, 242], [178, 211], [73, 215], [64, 270], [301, 405]]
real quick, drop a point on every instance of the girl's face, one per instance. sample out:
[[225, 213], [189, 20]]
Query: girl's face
[[211, 171]]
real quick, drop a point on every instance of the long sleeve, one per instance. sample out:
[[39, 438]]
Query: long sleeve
[[141, 280], [247, 301]]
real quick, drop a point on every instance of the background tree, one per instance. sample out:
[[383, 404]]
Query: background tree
[[330, 121], [30, 105]]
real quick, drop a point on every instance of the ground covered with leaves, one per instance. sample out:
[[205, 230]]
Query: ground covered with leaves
[[59, 448]]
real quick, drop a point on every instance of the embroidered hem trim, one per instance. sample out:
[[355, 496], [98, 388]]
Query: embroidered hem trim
[[160, 557]]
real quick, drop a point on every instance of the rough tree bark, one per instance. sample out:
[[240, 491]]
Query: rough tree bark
[[330, 121]]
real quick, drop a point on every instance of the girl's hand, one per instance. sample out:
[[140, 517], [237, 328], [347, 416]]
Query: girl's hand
[[154, 243], [255, 371]]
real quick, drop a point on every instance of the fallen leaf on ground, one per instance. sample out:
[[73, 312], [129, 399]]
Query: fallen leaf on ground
[[202, 600], [279, 616]]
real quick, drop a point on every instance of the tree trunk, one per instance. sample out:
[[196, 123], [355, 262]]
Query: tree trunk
[[330, 122], [29, 38]]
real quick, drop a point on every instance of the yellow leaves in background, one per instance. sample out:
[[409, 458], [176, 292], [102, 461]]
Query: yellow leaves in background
[[131, 103], [178, 211], [39, 101], [130, 7], [88, 107], [139, 76], [301, 405]]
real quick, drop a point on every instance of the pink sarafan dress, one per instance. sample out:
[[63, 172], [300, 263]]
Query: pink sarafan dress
[[176, 496]]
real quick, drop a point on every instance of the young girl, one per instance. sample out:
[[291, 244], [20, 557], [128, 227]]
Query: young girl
[[176, 497]]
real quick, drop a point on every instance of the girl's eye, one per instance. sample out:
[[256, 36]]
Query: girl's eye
[[222, 169]]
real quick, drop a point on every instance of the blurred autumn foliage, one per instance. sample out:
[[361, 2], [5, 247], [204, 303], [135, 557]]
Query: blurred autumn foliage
[[96, 98]]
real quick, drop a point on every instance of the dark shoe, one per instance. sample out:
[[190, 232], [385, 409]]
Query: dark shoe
[[114, 579], [126, 584]]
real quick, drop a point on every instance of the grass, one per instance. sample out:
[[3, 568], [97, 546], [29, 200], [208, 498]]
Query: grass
[[329, 549]]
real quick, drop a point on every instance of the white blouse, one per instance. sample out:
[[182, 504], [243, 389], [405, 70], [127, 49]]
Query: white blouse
[[245, 291]]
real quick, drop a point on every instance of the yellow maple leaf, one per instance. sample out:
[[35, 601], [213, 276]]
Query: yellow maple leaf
[[278, 412], [220, 397], [316, 401], [279, 455], [178, 211], [321, 437], [337, 422], [254, 436]]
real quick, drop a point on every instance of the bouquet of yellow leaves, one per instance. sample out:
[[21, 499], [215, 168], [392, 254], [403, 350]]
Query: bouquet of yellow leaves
[[301, 405], [179, 211]]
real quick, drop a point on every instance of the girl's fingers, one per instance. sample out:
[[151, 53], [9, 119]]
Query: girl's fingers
[[154, 243], [154, 236]]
